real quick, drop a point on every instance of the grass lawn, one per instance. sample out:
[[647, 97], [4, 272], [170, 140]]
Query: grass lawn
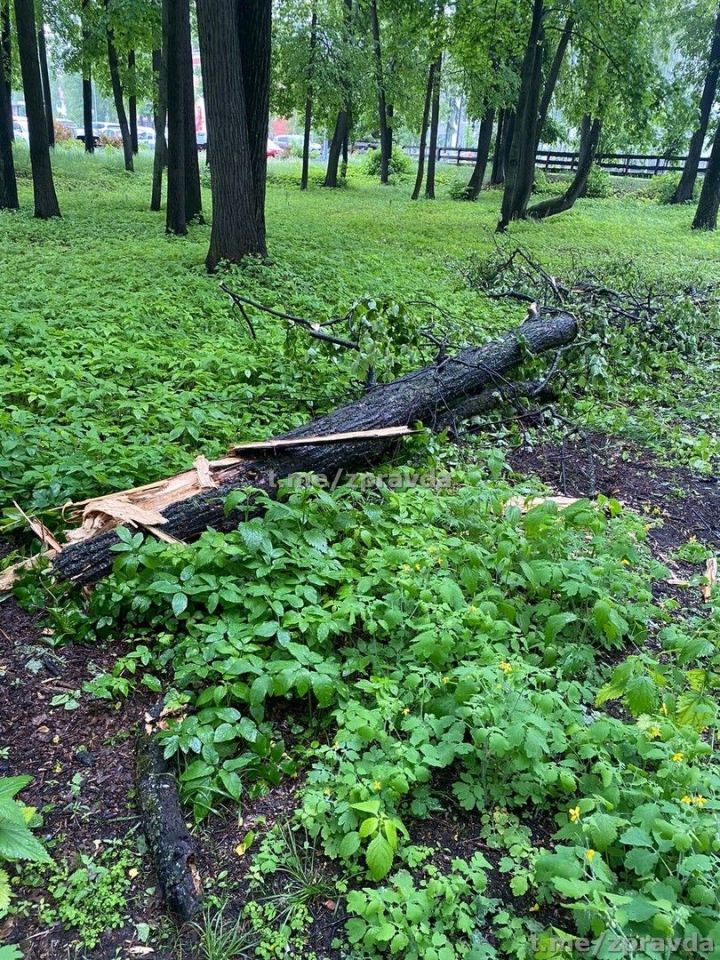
[[436, 724]]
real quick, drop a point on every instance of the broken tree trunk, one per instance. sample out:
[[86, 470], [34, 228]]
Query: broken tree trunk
[[171, 847], [423, 396]]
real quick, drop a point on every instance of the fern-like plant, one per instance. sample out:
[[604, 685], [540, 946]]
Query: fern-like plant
[[16, 839]]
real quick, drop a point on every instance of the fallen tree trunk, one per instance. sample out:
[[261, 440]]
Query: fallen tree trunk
[[425, 396]]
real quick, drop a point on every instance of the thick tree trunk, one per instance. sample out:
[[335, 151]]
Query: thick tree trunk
[[497, 172], [8, 183], [307, 128], [521, 167], [193, 193], [381, 97], [45, 76], [423, 396], [87, 91], [46, 203], [117, 90], [6, 54], [589, 138], [424, 130], [434, 124], [235, 48], [339, 138], [178, 13], [686, 186], [160, 119], [483, 152], [706, 214], [132, 102], [552, 78]]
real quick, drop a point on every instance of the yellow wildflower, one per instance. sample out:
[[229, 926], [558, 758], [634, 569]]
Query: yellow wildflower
[[590, 855], [574, 814], [406, 711], [654, 731], [686, 800], [677, 757], [505, 666], [446, 679], [377, 785], [699, 801], [534, 908]]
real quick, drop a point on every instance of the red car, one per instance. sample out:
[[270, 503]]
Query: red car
[[273, 150]]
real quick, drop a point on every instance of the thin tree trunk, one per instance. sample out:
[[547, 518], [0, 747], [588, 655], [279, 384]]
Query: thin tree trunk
[[132, 102], [178, 11], [508, 134], [87, 91], [235, 54], [686, 186], [521, 167], [160, 119], [309, 102], [497, 173], [8, 183], [193, 193], [589, 138], [423, 396], [552, 78], [483, 152], [46, 203], [434, 124], [45, 76], [6, 54], [424, 130], [117, 90], [381, 98], [706, 214], [389, 134], [339, 138]]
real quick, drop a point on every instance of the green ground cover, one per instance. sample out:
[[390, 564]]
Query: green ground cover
[[380, 665]]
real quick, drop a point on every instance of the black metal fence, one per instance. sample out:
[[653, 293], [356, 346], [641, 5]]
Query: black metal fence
[[559, 161]]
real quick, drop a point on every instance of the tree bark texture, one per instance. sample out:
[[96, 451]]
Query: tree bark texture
[[118, 93], [339, 138], [46, 202], [8, 182], [87, 90], [434, 125], [132, 102], [160, 118], [178, 11], [483, 152], [424, 131], [706, 214], [424, 396], [307, 127], [381, 96]]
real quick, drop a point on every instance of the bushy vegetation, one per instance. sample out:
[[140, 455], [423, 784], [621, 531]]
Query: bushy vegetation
[[399, 163]]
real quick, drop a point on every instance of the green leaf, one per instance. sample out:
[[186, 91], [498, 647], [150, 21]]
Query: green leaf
[[572, 888], [18, 843], [379, 857], [367, 806], [179, 603], [355, 929], [555, 624], [10, 786], [603, 830], [349, 845]]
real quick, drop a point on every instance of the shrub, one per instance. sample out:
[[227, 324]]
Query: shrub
[[400, 163], [599, 185], [662, 188], [543, 184]]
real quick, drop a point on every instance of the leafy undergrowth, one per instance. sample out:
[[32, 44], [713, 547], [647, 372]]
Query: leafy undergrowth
[[401, 651]]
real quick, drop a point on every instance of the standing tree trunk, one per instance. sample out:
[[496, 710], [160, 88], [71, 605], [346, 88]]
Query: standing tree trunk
[[178, 11], [87, 92], [235, 47], [552, 78], [381, 97], [685, 188], [424, 130], [497, 173], [521, 167], [117, 90], [483, 152], [46, 203], [309, 101], [193, 193], [160, 119], [6, 54], [339, 138], [8, 183], [132, 102], [589, 138], [434, 124], [706, 214], [45, 77]]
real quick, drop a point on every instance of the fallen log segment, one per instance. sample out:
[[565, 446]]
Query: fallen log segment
[[425, 396], [171, 847]]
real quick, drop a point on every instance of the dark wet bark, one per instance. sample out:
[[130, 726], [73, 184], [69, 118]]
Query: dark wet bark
[[589, 138], [497, 172], [132, 102], [178, 14], [337, 145], [521, 165], [8, 182], [191, 173], [686, 186], [706, 214], [160, 120], [118, 94], [483, 152], [6, 54], [424, 131], [87, 91], [46, 203], [381, 96], [434, 125], [235, 48], [307, 128], [45, 77], [423, 396]]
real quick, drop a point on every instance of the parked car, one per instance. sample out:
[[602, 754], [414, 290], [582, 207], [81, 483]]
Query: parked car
[[146, 137], [65, 130], [274, 150], [289, 141]]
